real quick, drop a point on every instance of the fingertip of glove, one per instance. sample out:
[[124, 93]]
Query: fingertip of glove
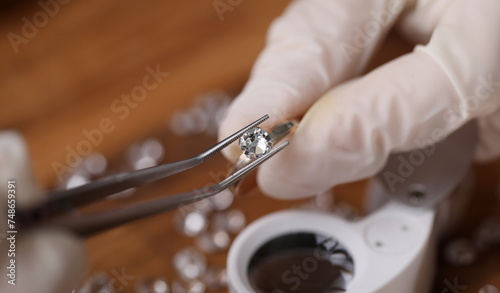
[[274, 184]]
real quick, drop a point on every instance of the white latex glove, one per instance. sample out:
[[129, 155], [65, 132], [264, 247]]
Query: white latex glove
[[317, 48], [47, 261]]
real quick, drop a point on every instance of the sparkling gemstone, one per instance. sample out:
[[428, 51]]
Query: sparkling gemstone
[[213, 241], [204, 206], [190, 122], [153, 148], [215, 105], [190, 264], [497, 193], [77, 179], [182, 124], [122, 194], [460, 252], [487, 233], [95, 164], [191, 287], [222, 200], [145, 154], [144, 162], [232, 221], [255, 143], [215, 278], [152, 286], [133, 153], [191, 224], [97, 283], [489, 289]]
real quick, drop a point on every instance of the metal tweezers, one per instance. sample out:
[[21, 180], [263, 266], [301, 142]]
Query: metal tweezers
[[58, 209]]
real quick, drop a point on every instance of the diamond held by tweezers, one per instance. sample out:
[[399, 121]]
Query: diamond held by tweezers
[[255, 143]]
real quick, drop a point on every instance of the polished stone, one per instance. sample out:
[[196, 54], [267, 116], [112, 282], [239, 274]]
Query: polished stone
[[460, 252], [213, 241], [153, 285], [255, 143], [190, 264]]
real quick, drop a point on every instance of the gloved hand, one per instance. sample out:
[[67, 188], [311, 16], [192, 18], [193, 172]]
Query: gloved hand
[[46, 261], [318, 48]]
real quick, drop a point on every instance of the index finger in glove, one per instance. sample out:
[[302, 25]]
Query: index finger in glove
[[313, 46]]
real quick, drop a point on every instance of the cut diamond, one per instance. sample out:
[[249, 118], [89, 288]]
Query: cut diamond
[[190, 264], [153, 285], [460, 252], [255, 143]]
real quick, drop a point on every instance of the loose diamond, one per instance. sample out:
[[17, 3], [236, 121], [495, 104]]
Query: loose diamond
[[255, 143], [232, 221], [95, 164], [222, 200], [190, 264], [97, 283], [191, 224], [153, 148], [152, 286], [204, 206], [215, 278], [489, 289], [213, 241], [487, 233], [460, 252], [195, 286], [77, 179]]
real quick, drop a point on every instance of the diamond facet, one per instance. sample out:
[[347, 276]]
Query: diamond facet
[[255, 143]]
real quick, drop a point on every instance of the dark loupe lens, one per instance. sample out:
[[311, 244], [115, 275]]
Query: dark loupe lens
[[301, 262]]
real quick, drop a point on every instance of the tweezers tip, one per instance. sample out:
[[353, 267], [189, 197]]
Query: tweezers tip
[[233, 178]]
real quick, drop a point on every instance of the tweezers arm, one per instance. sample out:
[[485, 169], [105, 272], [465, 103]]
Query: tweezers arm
[[89, 225], [61, 201], [94, 223]]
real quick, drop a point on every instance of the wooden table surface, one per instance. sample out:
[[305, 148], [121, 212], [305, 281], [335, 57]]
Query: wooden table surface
[[62, 78]]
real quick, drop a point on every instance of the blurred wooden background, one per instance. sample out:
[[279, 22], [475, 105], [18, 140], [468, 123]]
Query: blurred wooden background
[[64, 77]]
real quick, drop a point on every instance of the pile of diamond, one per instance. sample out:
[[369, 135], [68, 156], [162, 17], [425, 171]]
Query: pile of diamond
[[211, 223]]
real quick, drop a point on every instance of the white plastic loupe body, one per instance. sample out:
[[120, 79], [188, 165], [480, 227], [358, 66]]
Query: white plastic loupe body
[[392, 249]]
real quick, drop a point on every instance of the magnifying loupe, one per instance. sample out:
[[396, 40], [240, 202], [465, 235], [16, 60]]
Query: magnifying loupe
[[302, 262]]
